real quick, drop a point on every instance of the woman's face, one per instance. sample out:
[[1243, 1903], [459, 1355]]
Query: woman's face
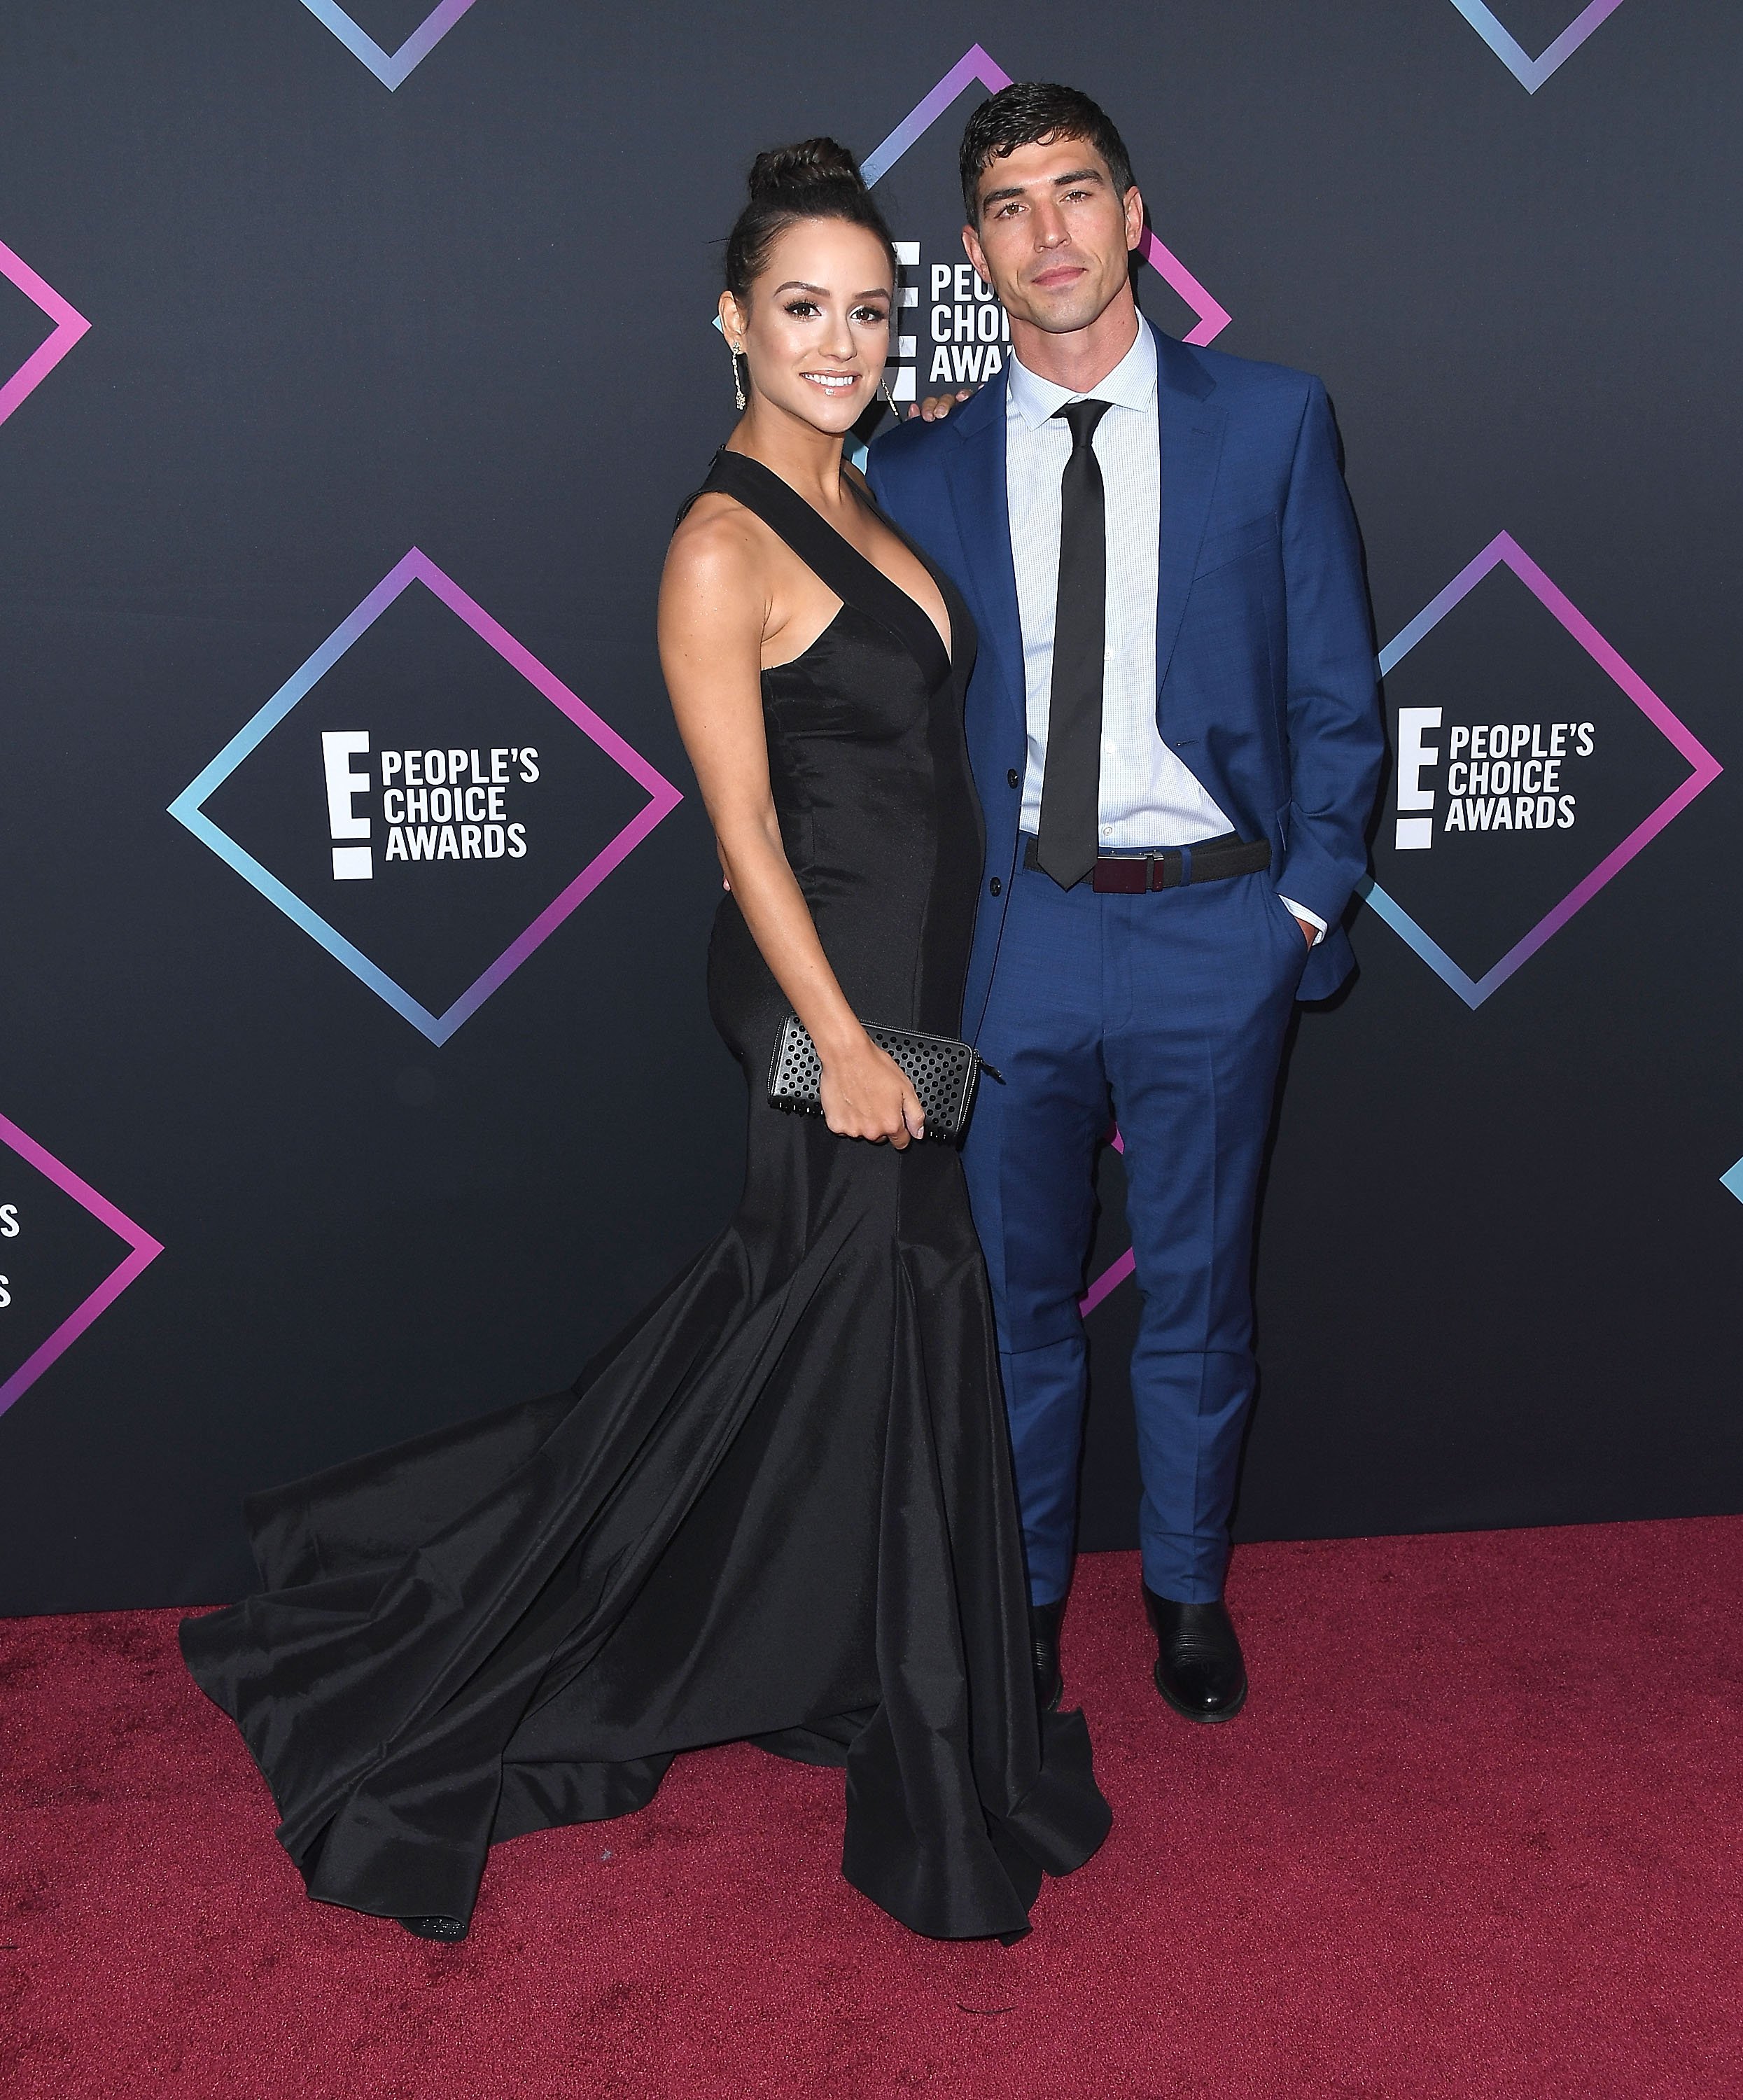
[[815, 328]]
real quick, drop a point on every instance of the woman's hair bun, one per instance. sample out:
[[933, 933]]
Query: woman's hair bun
[[785, 173], [817, 178]]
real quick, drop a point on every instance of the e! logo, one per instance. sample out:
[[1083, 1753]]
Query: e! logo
[[473, 753], [338, 747], [1415, 832], [1532, 817]]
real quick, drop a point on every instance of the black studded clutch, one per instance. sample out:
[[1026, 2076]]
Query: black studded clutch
[[943, 1072]]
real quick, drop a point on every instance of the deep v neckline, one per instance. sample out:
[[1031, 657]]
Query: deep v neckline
[[831, 557]]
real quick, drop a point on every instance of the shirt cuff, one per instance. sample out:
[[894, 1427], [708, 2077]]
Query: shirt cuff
[[1312, 918]]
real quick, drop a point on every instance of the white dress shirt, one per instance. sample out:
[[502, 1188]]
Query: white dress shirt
[[1148, 797]]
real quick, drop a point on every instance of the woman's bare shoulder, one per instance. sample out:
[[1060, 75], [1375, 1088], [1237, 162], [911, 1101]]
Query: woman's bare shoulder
[[717, 542], [715, 587]]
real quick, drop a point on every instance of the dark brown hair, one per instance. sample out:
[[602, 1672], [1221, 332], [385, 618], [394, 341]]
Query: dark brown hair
[[817, 178], [1025, 114]]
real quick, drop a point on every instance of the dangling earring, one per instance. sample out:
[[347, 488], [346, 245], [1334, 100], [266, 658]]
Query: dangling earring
[[890, 399], [737, 384]]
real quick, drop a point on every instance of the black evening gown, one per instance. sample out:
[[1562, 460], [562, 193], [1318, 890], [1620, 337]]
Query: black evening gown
[[778, 1508]]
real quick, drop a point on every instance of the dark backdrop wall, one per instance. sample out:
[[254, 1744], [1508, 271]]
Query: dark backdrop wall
[[353, 365]]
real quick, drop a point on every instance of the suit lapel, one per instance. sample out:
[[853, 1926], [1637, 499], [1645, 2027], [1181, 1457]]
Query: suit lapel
[[1190, 432], [977, 496]]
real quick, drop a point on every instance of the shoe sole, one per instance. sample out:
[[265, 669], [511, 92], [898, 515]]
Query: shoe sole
[[1197, 1712]]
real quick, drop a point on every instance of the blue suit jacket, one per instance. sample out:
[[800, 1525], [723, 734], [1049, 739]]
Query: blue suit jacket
[[1264, 655]]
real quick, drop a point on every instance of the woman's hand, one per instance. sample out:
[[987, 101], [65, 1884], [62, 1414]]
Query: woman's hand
[[866, 1093], [936, 407]]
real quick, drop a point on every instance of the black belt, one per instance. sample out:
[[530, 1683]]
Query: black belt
[[1212, 860]]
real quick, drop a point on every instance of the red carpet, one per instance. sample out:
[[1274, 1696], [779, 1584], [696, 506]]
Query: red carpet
[[1478, 1833]]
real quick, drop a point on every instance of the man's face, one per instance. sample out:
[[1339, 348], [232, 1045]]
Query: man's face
[[1051, 234]]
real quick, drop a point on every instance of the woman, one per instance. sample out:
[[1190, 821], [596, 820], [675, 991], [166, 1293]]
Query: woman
[[779, 1507]]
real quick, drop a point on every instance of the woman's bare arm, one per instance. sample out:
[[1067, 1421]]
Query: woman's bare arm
[[714, 610]]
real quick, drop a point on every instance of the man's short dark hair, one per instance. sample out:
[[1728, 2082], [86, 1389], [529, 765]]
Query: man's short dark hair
[[1025, 114]]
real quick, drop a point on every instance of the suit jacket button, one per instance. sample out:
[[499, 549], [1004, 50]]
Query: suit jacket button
[[1012, 777], [995, 886]]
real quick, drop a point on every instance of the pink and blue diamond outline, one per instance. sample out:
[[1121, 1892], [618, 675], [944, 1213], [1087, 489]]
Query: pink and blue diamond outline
[[142, 1251], [1117, 1270], [390, 68], [975, 65], [417, 567], [1530, 73], [69, 325], [1504, 549]]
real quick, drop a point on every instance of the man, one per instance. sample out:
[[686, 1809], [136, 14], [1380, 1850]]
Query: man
[[1175, 734]]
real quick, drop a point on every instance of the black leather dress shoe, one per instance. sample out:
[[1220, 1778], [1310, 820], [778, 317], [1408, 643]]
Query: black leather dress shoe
[[1199, 1668], [437, 1927], [1043, 1633]]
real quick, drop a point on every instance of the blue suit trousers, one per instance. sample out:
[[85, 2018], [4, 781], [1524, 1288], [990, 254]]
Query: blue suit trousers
[[1167, 1012]]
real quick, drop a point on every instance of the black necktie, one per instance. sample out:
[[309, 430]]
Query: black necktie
[[1071, 782]]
